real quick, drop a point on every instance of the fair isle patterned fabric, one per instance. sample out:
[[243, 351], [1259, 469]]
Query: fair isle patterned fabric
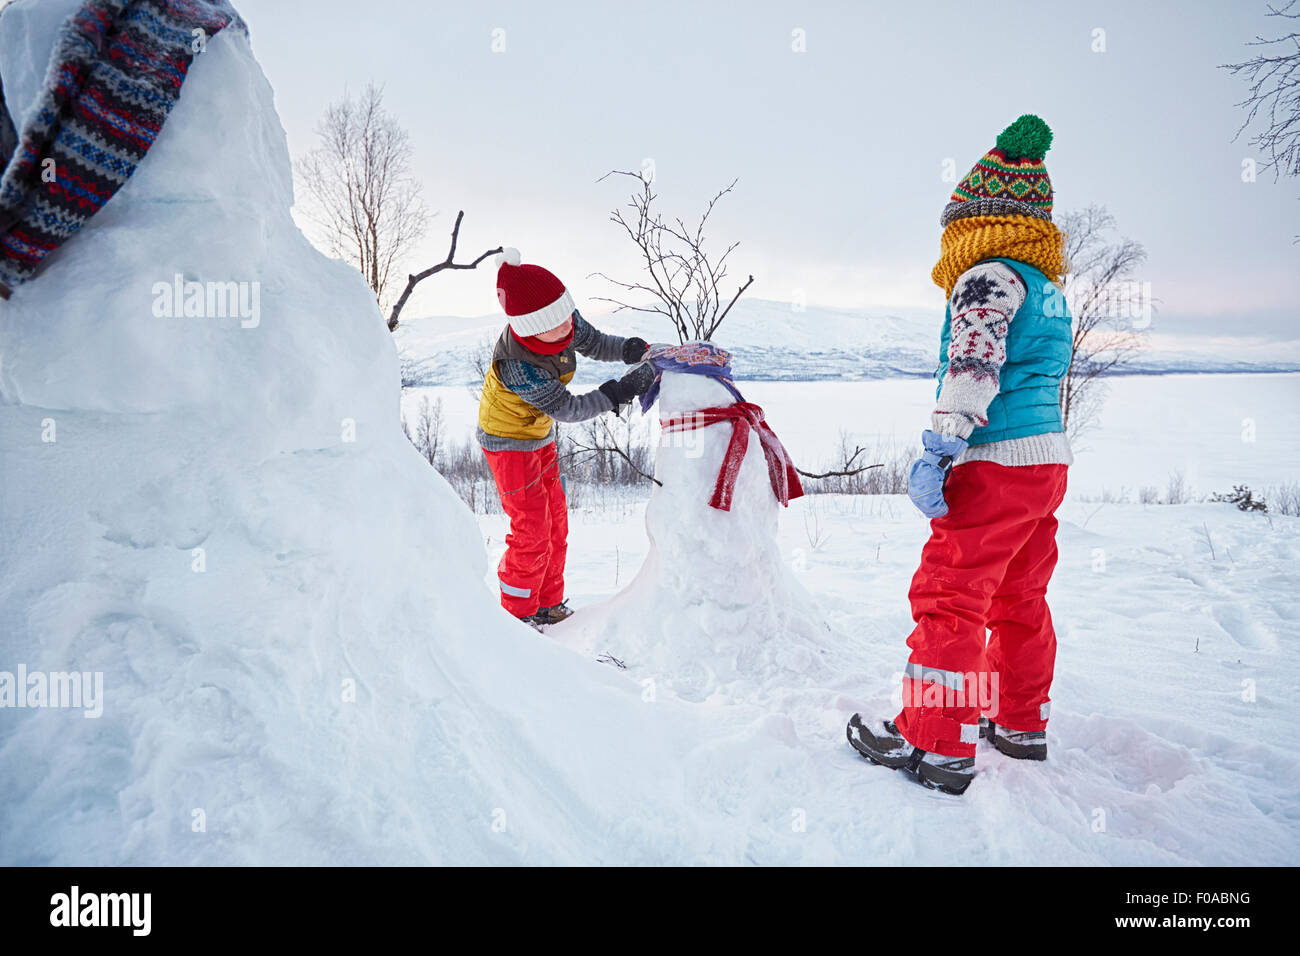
[[996, 177], [548, 394], [114, 75], [983, 302], [1011, 178]]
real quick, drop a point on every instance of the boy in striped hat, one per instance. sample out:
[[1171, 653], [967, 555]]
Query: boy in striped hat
[[991, 477], [524, 394]]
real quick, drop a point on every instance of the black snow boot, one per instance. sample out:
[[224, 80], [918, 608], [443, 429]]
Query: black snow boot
[[537, 620], [880, 742], [1021, 744]]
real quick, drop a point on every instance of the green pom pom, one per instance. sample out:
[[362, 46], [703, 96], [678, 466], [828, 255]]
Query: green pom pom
[[1027, 138]]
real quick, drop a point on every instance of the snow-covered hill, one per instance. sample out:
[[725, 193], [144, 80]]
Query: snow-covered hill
[[299, 661]]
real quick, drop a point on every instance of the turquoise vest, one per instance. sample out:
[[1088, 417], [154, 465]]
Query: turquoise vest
[[1039, 344]]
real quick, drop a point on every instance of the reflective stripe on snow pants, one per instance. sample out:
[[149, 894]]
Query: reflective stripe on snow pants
[[514, 591]]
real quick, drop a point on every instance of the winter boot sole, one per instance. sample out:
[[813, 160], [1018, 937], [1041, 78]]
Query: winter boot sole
[[1026, 745], [953, 780]]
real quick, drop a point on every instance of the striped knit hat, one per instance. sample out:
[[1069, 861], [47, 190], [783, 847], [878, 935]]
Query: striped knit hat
[[1010, 180], [534, 299]]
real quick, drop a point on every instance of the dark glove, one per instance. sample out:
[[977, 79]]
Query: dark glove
[[634, 350], [634, 383]]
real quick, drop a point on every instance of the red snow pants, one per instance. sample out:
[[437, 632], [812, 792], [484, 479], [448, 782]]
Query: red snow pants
[[985, 569], [531, 572]]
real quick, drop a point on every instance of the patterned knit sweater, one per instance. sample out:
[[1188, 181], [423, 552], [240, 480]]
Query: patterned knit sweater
[[548, 394], [983, 304], [114, 74]]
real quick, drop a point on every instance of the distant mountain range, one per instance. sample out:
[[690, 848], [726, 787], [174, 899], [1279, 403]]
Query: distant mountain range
[[773, 341]]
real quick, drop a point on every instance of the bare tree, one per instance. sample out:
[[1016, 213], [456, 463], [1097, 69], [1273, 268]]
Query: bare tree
[[413, 280], [1274, 95], [683, 280], [1108, 309], [611, 457], [429, 428], [479, 362], [365, 201]]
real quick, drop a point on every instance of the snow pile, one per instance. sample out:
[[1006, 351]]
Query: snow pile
[[715, 607], [300, 662]]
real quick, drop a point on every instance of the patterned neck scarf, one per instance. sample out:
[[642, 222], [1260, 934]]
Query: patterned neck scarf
[[976, 238], [693, 358]]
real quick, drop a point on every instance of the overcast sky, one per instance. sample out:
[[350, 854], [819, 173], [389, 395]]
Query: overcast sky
[[839, 150]]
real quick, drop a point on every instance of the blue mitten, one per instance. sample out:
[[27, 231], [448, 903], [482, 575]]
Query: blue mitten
[[929, 472]]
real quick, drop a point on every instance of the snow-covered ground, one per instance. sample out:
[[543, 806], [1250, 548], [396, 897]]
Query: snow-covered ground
[[1173, 717], [1179, 627]]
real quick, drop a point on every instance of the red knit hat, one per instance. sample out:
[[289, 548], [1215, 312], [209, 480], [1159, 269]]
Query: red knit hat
[[534, 299]]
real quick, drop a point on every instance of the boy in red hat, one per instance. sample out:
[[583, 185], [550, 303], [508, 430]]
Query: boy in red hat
[[524, 394], [991, 477]]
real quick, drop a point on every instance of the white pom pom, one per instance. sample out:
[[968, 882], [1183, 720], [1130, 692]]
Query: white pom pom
[[508, 257]]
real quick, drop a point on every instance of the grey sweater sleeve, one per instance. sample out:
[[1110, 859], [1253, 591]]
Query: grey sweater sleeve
[[595, 344], [548, 394]]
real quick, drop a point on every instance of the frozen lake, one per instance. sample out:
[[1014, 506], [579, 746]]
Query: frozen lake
[[1218, 430]]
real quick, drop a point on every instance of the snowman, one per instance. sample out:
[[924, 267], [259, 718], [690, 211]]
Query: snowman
[[716, 608]]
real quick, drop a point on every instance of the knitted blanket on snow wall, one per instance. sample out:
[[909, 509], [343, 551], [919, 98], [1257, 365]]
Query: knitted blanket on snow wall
[[113, 77]]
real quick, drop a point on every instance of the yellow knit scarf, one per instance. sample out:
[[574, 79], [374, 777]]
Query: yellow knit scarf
[[976, 238]]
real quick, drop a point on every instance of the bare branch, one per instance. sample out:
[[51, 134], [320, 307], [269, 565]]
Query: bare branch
[[840, 474], [683, 279], [1273, 96], [413, 280]]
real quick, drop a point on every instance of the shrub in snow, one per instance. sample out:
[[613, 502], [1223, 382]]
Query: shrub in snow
[[1243, 498]]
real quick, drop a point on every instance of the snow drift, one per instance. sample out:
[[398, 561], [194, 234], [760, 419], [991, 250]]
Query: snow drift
[[300, 660]]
